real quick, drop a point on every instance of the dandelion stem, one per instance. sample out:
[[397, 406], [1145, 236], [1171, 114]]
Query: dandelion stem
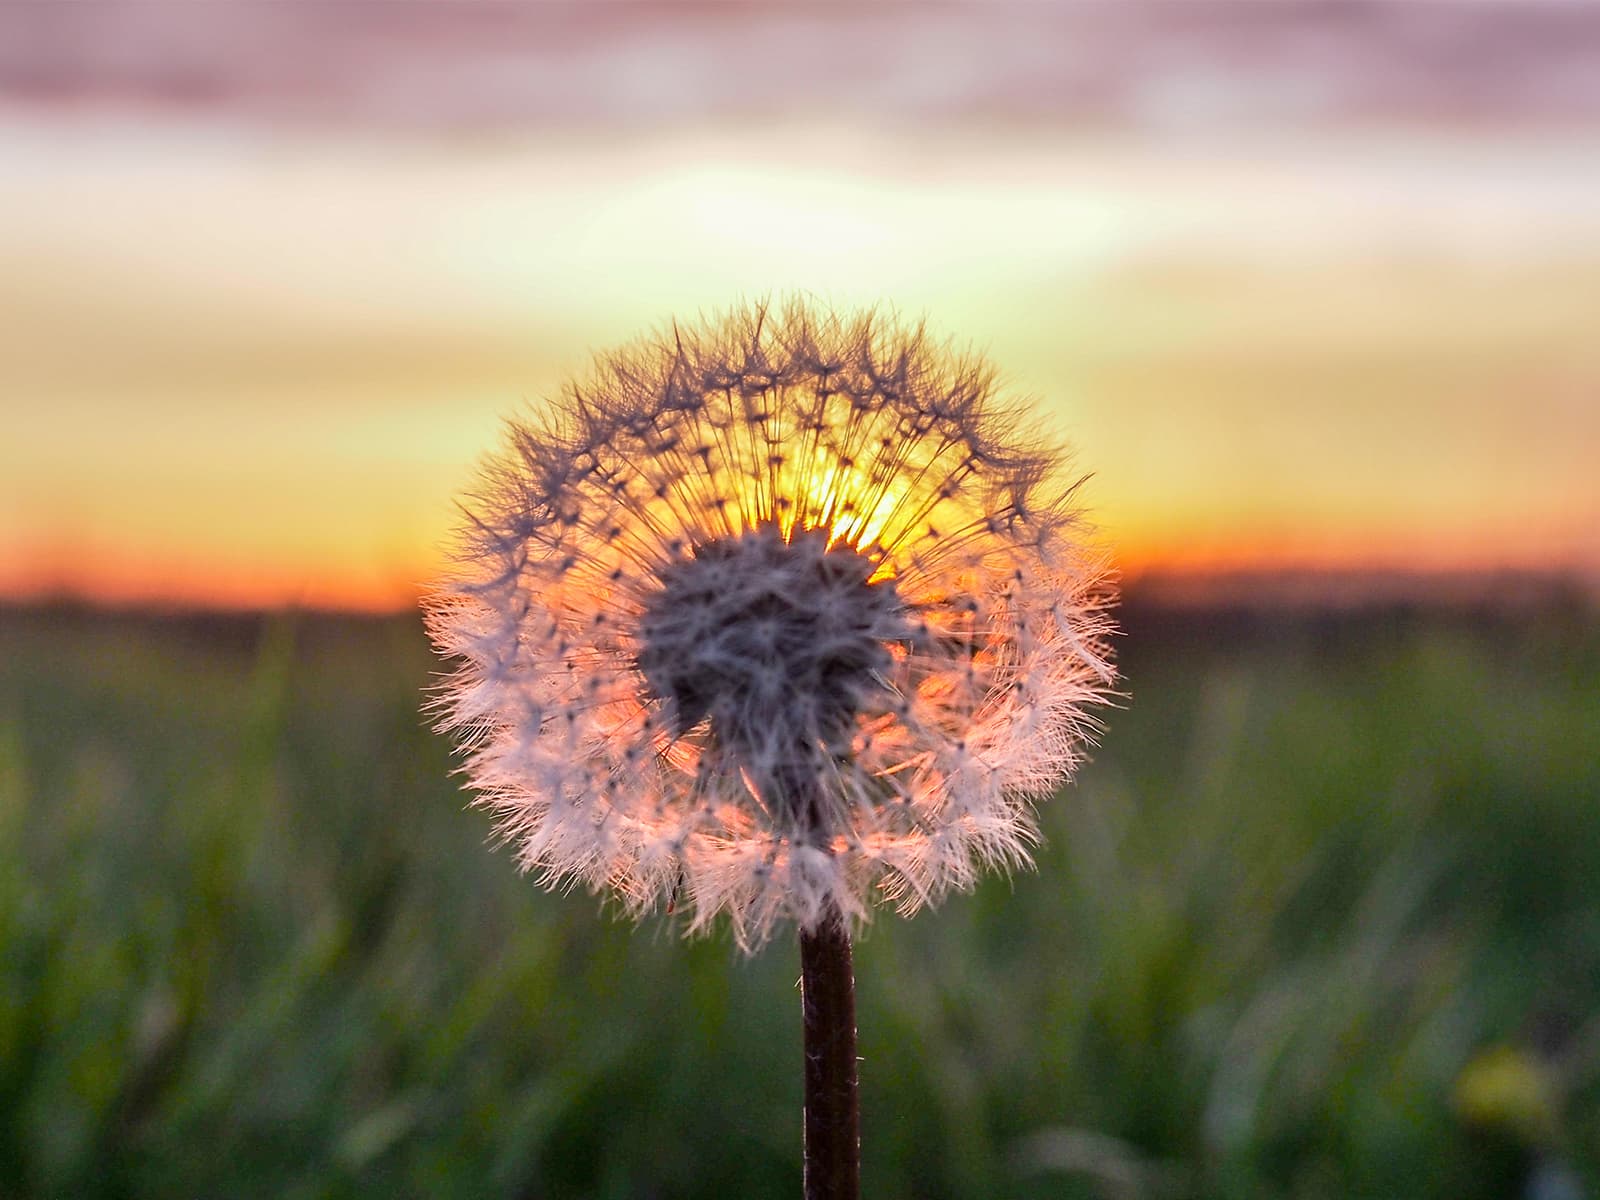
[[832, 1112]]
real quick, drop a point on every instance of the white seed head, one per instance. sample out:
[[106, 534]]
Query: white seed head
[[771, 616]]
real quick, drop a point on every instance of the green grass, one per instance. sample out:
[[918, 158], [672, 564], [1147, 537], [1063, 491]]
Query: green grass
[[1321, 920]]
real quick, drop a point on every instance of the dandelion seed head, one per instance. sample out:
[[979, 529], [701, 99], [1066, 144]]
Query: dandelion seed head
[[774, 615]]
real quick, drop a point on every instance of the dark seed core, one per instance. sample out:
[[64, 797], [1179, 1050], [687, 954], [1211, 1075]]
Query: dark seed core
[[777, 644]]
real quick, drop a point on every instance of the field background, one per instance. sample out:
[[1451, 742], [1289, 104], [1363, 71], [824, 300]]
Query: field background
[[1322, 919]]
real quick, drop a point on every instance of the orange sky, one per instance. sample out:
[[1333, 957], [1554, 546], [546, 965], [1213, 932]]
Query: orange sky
[[251, 364]]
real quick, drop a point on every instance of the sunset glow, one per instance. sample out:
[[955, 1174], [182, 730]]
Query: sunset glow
[[250, 366]]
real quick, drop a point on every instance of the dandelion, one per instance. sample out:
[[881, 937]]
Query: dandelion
[[774, 618]]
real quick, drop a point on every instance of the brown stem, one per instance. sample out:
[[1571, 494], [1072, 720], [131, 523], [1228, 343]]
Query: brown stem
[[828, 1005]]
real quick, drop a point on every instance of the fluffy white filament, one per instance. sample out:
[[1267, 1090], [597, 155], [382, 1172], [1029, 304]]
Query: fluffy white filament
[[771, 615]]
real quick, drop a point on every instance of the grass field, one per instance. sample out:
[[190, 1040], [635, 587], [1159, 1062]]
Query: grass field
[[1321, 920]]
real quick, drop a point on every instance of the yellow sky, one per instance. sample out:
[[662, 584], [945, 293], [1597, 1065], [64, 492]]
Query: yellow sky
[[255, 369]]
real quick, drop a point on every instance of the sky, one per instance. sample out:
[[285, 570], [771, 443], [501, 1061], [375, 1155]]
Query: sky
[[1303, 291]]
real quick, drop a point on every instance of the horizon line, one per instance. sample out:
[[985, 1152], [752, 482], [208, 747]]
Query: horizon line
[[1325, 587]]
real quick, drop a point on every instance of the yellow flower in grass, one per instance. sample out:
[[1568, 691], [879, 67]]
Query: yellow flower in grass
[[774, 616]]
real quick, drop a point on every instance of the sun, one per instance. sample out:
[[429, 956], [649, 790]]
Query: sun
[[843, 501]]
